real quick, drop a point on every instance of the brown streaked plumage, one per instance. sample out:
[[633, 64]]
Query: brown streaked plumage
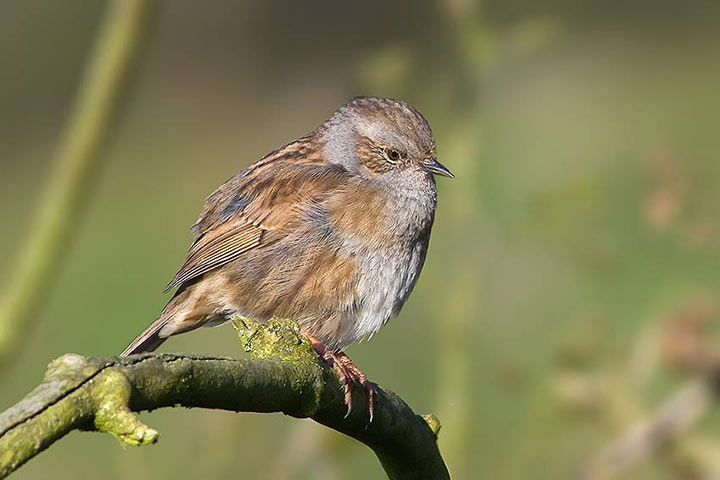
[[330, 230]]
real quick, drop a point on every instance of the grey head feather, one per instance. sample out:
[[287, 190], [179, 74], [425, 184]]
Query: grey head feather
[[385, 121]]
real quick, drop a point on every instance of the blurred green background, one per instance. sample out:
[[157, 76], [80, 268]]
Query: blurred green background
[[583, 220]]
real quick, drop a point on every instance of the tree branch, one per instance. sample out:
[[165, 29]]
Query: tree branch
[[283, 375]]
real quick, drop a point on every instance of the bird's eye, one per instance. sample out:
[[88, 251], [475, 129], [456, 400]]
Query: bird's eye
[[391, 154]]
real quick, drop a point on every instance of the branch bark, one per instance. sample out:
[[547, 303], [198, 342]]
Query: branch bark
[[282, 375]]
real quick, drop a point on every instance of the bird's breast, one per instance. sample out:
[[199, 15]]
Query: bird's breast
[[389, 259], [386, 276]]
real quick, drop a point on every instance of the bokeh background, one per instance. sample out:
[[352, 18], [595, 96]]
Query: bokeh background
[[579, 242]]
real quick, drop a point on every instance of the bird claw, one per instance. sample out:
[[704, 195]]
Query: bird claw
[[355, 376], [349, 375]]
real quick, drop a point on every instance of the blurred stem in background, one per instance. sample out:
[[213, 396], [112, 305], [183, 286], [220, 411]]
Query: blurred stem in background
[[476, 47], [462, 143], [459, 311], [453, 97], [78, 155]]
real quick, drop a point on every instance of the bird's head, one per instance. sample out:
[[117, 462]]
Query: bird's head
[[381, 137]]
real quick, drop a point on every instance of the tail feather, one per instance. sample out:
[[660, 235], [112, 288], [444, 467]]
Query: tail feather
[[148, 340], [186, 310], [181, 314]]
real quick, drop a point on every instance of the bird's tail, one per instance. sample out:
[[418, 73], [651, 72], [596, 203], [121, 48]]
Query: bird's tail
[[163, 327], [148, 340]]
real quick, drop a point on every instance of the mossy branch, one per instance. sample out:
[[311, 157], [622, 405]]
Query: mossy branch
[[282, 375]]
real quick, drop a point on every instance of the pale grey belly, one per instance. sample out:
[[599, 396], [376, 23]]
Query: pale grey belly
[[386, 279]]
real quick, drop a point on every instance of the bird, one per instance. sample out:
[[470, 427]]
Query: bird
[[330, 230]]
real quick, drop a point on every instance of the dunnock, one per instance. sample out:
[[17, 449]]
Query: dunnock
[[330, 230]]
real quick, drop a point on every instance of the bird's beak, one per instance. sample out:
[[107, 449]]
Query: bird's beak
[[433, 166]]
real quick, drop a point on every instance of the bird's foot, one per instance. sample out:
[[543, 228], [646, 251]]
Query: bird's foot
[[349, 374]]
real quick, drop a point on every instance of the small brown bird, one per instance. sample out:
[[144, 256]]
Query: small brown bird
[[330, 230]]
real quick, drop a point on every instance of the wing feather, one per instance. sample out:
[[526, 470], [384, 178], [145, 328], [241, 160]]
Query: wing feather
[[216, 248], [256, 207]]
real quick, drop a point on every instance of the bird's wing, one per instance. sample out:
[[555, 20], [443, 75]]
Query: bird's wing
[[257, 207]]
